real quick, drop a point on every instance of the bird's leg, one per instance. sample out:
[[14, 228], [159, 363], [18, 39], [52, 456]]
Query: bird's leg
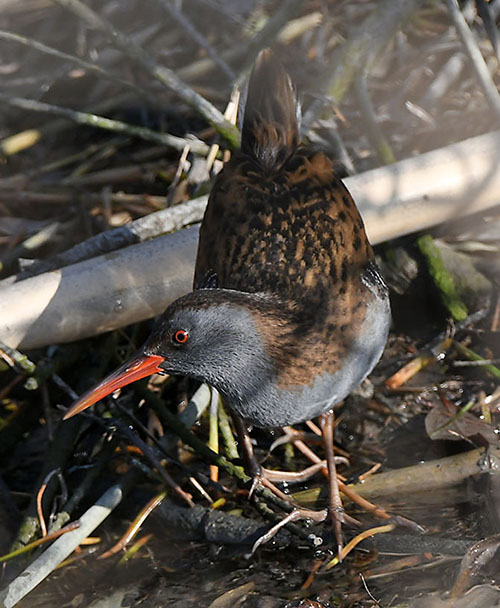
[[246, 444], [336, 509], [295, 515], [253, 466], [266, 477], [259, 473], [293, 476]]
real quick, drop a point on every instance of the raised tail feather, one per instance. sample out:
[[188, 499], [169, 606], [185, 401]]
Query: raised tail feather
[[270, 131]]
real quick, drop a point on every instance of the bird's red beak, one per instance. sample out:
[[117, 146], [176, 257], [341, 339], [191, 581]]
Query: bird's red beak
[[134, 369]]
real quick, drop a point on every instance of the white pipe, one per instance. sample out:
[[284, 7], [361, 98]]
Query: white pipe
[[99, 294], [60, 549], [439, 186]]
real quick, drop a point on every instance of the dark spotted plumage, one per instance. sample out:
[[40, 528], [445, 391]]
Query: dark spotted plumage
[[289, 229], [289, 312]]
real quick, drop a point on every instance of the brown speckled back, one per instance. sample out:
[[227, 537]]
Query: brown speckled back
[[290, 229]]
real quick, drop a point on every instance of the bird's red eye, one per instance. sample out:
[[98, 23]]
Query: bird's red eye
[[181, 336]]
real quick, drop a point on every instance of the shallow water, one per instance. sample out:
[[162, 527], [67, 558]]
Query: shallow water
[[396, 567]]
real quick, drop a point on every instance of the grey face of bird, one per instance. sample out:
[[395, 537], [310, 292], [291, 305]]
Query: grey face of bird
[[218, 343]]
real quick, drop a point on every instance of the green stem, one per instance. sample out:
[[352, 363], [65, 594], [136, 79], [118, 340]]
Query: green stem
[[188, 437], [227, 433], [472, 356]]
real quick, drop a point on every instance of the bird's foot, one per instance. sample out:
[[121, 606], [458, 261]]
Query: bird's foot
[[267, 478], [337, 515], [293, 476], [295, 515], [336, 509], [405, 522]]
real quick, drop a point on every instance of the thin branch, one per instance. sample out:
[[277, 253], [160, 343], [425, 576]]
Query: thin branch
[[374, 132], [22, 140], [474, 54], [38, 570], [100, 122], [140, 230]]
